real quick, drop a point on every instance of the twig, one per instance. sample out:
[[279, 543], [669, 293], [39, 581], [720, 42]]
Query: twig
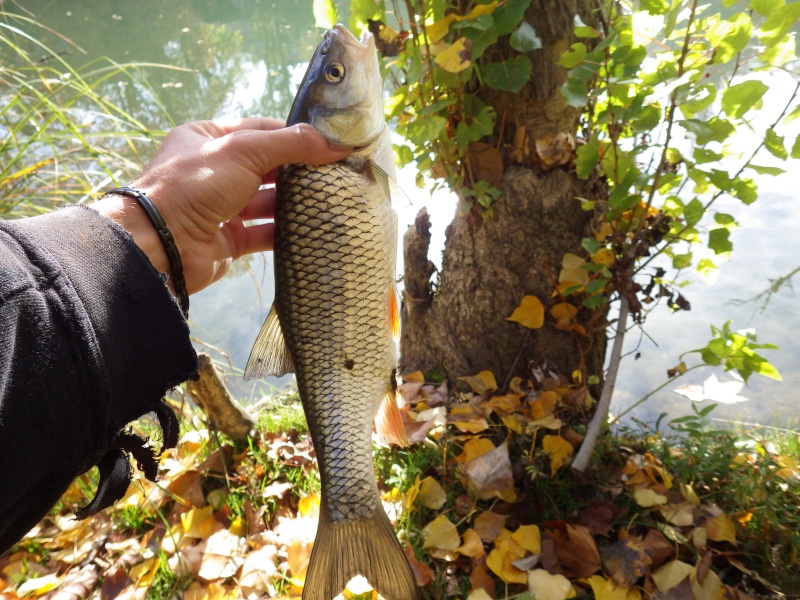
[[598, 422]]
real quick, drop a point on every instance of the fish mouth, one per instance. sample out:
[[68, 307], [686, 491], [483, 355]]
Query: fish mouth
[[343, 34]]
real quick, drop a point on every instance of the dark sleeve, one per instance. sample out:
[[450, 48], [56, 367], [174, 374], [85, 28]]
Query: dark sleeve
[[90, 339]]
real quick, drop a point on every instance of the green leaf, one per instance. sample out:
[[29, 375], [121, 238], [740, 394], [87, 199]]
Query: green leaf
[[574, 56], [682, 261], [740, 98], [524, 39], [325, 14], [361, 10], [647, 120], [425, 129], [654, 7], [767, 170], [587, 157], [730, 37], [780, 53], [721, 179], [575, 92], [481, 23], [595, 301], [693, 212], [702, 156], [795, 153], [712, 130], [591, 245], [746, 191], [719, 242], [766, 7], [582, 30], [509, 14], [724, 219], [481, 39], [404, 155], [774, 144], [509, 75], [779, 23], [689, 108]]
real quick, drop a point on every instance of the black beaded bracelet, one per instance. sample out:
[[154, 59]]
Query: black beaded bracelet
[[174, 257]]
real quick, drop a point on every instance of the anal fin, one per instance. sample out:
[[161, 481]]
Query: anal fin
[[270, 355]]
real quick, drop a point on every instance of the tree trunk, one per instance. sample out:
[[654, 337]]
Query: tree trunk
[[459, 327]]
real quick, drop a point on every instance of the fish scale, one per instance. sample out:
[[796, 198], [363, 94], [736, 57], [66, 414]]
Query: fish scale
[[334, 259]]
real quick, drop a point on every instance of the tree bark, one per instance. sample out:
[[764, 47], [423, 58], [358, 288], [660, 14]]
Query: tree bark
[[458, 326]]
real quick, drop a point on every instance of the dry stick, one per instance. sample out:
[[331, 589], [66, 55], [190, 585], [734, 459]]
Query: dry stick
[[600, 417]]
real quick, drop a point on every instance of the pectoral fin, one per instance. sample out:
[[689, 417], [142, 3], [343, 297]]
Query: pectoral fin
[[389, 422], [270, 355], [389, 186]]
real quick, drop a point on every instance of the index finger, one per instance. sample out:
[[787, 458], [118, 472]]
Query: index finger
[[229, 125]]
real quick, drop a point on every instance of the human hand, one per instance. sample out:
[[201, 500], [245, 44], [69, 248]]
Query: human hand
[[204, 179]]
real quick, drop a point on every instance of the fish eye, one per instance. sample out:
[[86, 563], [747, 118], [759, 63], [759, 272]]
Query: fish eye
[[334, 72]]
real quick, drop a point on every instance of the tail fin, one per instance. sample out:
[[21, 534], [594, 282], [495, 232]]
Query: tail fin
[[366, 547]]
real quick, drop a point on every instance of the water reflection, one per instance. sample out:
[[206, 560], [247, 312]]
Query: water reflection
[[240, 57]]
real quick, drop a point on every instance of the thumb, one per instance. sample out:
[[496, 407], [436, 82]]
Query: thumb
[[299, 143]]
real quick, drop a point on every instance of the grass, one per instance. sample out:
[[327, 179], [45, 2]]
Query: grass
[[61, 139]]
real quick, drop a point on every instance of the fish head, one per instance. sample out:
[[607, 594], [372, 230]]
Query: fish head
[[342, 92]]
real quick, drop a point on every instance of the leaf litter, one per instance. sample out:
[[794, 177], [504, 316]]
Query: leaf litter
[[231, 522]]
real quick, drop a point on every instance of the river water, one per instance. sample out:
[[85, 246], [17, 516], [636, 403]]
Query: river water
[[244, 57]]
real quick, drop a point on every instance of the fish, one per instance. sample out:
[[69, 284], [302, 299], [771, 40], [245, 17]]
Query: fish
[[335, 314]]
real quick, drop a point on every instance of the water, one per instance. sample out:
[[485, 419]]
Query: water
[[244, 57]]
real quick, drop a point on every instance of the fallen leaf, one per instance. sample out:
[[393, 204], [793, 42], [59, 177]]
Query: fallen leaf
[[559, 450], [479, 594], [223, 556], [422, 572], [298, 556], [475, 447], [596, 518], [647, 497], [545, 586], [258, 570], [486, 161], [440, 533], [576, 549], [39, 585], [308, 506], [466, 418], [721, 529], [488, 525], [482, 382], [472, 545], [490, 476], [431, 494], [499, 561], [672, 574], [529, 313], [480, 579], [626, 561], [606, 589], [680, 515], [200, 522], [528, 537], [504, 405]]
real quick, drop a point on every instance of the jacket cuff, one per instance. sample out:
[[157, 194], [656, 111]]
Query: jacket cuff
[[137, 325]]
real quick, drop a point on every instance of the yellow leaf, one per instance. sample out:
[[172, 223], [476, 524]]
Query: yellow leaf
[[479, 594], [545, 586], [238, 527], [415, 377], [144, 573], [529, 313], [544, 405], [308, 505], [604, 256], [475, 447], [455, 57], [482, 382], [432, 494], [499, 561], [440, 533], [680, 515], [572, 270], [472, 546], [529, 537], [671, 574], [39, 585], [687, 491], [515, 423], [196, 522], [604, 589], [437, 30], [298, 556], [721, 529], [504, 405], [413, 492], [466, 418], [559, 450], [647, 497]]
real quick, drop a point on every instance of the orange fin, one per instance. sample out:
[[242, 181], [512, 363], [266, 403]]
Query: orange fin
[[394, 311], [389, 422]]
